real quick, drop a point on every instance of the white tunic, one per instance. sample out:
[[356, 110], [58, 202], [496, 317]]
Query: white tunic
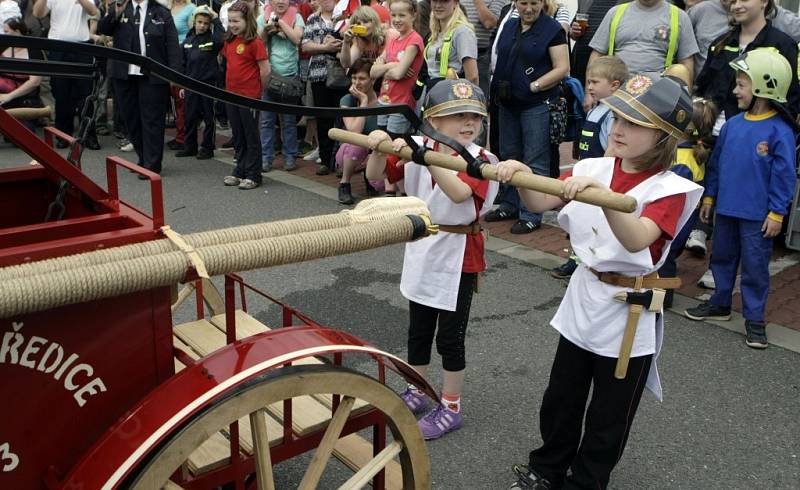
[[589, 317], [432, 266]]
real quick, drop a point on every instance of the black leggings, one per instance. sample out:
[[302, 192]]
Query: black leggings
[[451, 333], [608, 417]]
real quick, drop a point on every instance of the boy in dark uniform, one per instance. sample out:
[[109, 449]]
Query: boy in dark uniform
[[200, 49]]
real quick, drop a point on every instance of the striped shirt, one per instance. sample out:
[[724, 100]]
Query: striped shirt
[[483, 34]]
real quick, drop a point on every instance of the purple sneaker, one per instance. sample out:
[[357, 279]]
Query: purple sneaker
[[416, 401], [439, 422]]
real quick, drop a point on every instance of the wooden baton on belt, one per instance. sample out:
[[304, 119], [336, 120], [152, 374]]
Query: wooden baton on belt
[[547, 185]]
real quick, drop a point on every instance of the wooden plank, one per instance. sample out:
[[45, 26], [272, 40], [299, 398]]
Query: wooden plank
[[356, 452], [247, 326], [212, 297], [365, 474]]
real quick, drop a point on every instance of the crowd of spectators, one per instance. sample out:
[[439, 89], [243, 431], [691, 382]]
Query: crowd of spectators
[[318, 52]]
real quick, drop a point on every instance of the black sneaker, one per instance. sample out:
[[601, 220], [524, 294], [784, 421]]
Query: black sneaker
[[205, 154], [522, 227], [323, 170], [498, 215], [756, 334], [345, 194], [186, 153], [228, 144], [174, 145], [528, 479], [565, 270], [707, 311]]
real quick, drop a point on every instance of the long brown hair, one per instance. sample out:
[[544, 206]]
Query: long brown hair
[[250, 25]]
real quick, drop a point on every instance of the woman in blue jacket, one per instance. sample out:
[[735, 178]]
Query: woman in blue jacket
[[532, 59]]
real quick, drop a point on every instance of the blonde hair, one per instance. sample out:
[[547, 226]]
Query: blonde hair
[[550, 7], [611, 68], [458, 17], [365, 14]]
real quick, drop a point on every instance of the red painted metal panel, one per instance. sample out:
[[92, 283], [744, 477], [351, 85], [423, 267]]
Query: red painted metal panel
[[69, 373]]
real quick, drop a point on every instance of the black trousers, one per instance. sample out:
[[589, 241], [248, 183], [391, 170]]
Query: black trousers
[[608, 417], [69, 93], [144, 107], [325, 97], [451, 332], [198, 108], [246, 143]]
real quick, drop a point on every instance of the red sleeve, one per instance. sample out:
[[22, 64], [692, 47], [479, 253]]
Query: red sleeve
[[666, 212], [480, 187], [259, 51], [393, 173], [565, 174]]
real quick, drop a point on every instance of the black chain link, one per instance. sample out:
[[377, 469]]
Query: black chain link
[[57, 208]]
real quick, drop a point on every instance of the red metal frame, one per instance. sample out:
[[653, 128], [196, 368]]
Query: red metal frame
[[137, 371]]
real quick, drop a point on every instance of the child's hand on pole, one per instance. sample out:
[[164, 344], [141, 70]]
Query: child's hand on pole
[[376, 137], [506, 169], [574, 185]]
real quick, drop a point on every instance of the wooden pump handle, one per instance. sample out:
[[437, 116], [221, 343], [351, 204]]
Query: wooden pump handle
[[547, 185]]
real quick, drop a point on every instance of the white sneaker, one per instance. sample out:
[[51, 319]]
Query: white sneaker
[[707, 281], [312, 155], [697, 243]]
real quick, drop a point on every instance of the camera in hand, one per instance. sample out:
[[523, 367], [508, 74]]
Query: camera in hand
[[359, 31]]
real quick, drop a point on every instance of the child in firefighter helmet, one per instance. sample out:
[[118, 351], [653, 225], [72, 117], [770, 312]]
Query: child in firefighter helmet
[[616, 250], [750, 182]]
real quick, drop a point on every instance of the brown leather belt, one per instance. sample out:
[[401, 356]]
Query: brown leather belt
[[650, 281], [473, 228]]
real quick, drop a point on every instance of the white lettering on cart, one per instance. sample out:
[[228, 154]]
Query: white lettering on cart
[[34, 355], [8, 459]]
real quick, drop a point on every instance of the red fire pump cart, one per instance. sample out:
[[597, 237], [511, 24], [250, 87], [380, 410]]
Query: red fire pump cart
[[107, 393]]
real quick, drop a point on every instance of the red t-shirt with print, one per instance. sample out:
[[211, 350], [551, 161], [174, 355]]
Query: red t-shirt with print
[[242, 75], [664, 212]]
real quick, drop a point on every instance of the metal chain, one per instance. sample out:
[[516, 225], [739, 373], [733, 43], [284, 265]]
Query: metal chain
[[57, 208]]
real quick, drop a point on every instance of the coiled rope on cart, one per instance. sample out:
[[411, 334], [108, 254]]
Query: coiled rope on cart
[[78, 282]]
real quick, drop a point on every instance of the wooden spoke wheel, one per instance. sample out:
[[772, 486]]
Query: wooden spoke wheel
[[251, 398]]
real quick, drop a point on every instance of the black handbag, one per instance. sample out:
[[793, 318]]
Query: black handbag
[[288, 90], [337, 75], [284, 89]]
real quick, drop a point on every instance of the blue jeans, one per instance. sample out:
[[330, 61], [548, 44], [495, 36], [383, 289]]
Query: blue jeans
[[288, 136], [525, 136]]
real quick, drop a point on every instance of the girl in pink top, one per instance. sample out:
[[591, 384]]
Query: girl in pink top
[[399, 65]]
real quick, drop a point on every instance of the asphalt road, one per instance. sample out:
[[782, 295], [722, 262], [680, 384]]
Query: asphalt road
[[730, 418]]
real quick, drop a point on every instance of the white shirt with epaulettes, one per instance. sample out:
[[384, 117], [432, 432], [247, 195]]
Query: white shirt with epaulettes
[[589, 317], [432, 266]]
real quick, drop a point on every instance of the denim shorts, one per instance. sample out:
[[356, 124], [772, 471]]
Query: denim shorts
[[394, 123]]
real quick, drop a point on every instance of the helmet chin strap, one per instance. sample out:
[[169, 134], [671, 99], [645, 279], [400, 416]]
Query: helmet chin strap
[[752, 104]]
